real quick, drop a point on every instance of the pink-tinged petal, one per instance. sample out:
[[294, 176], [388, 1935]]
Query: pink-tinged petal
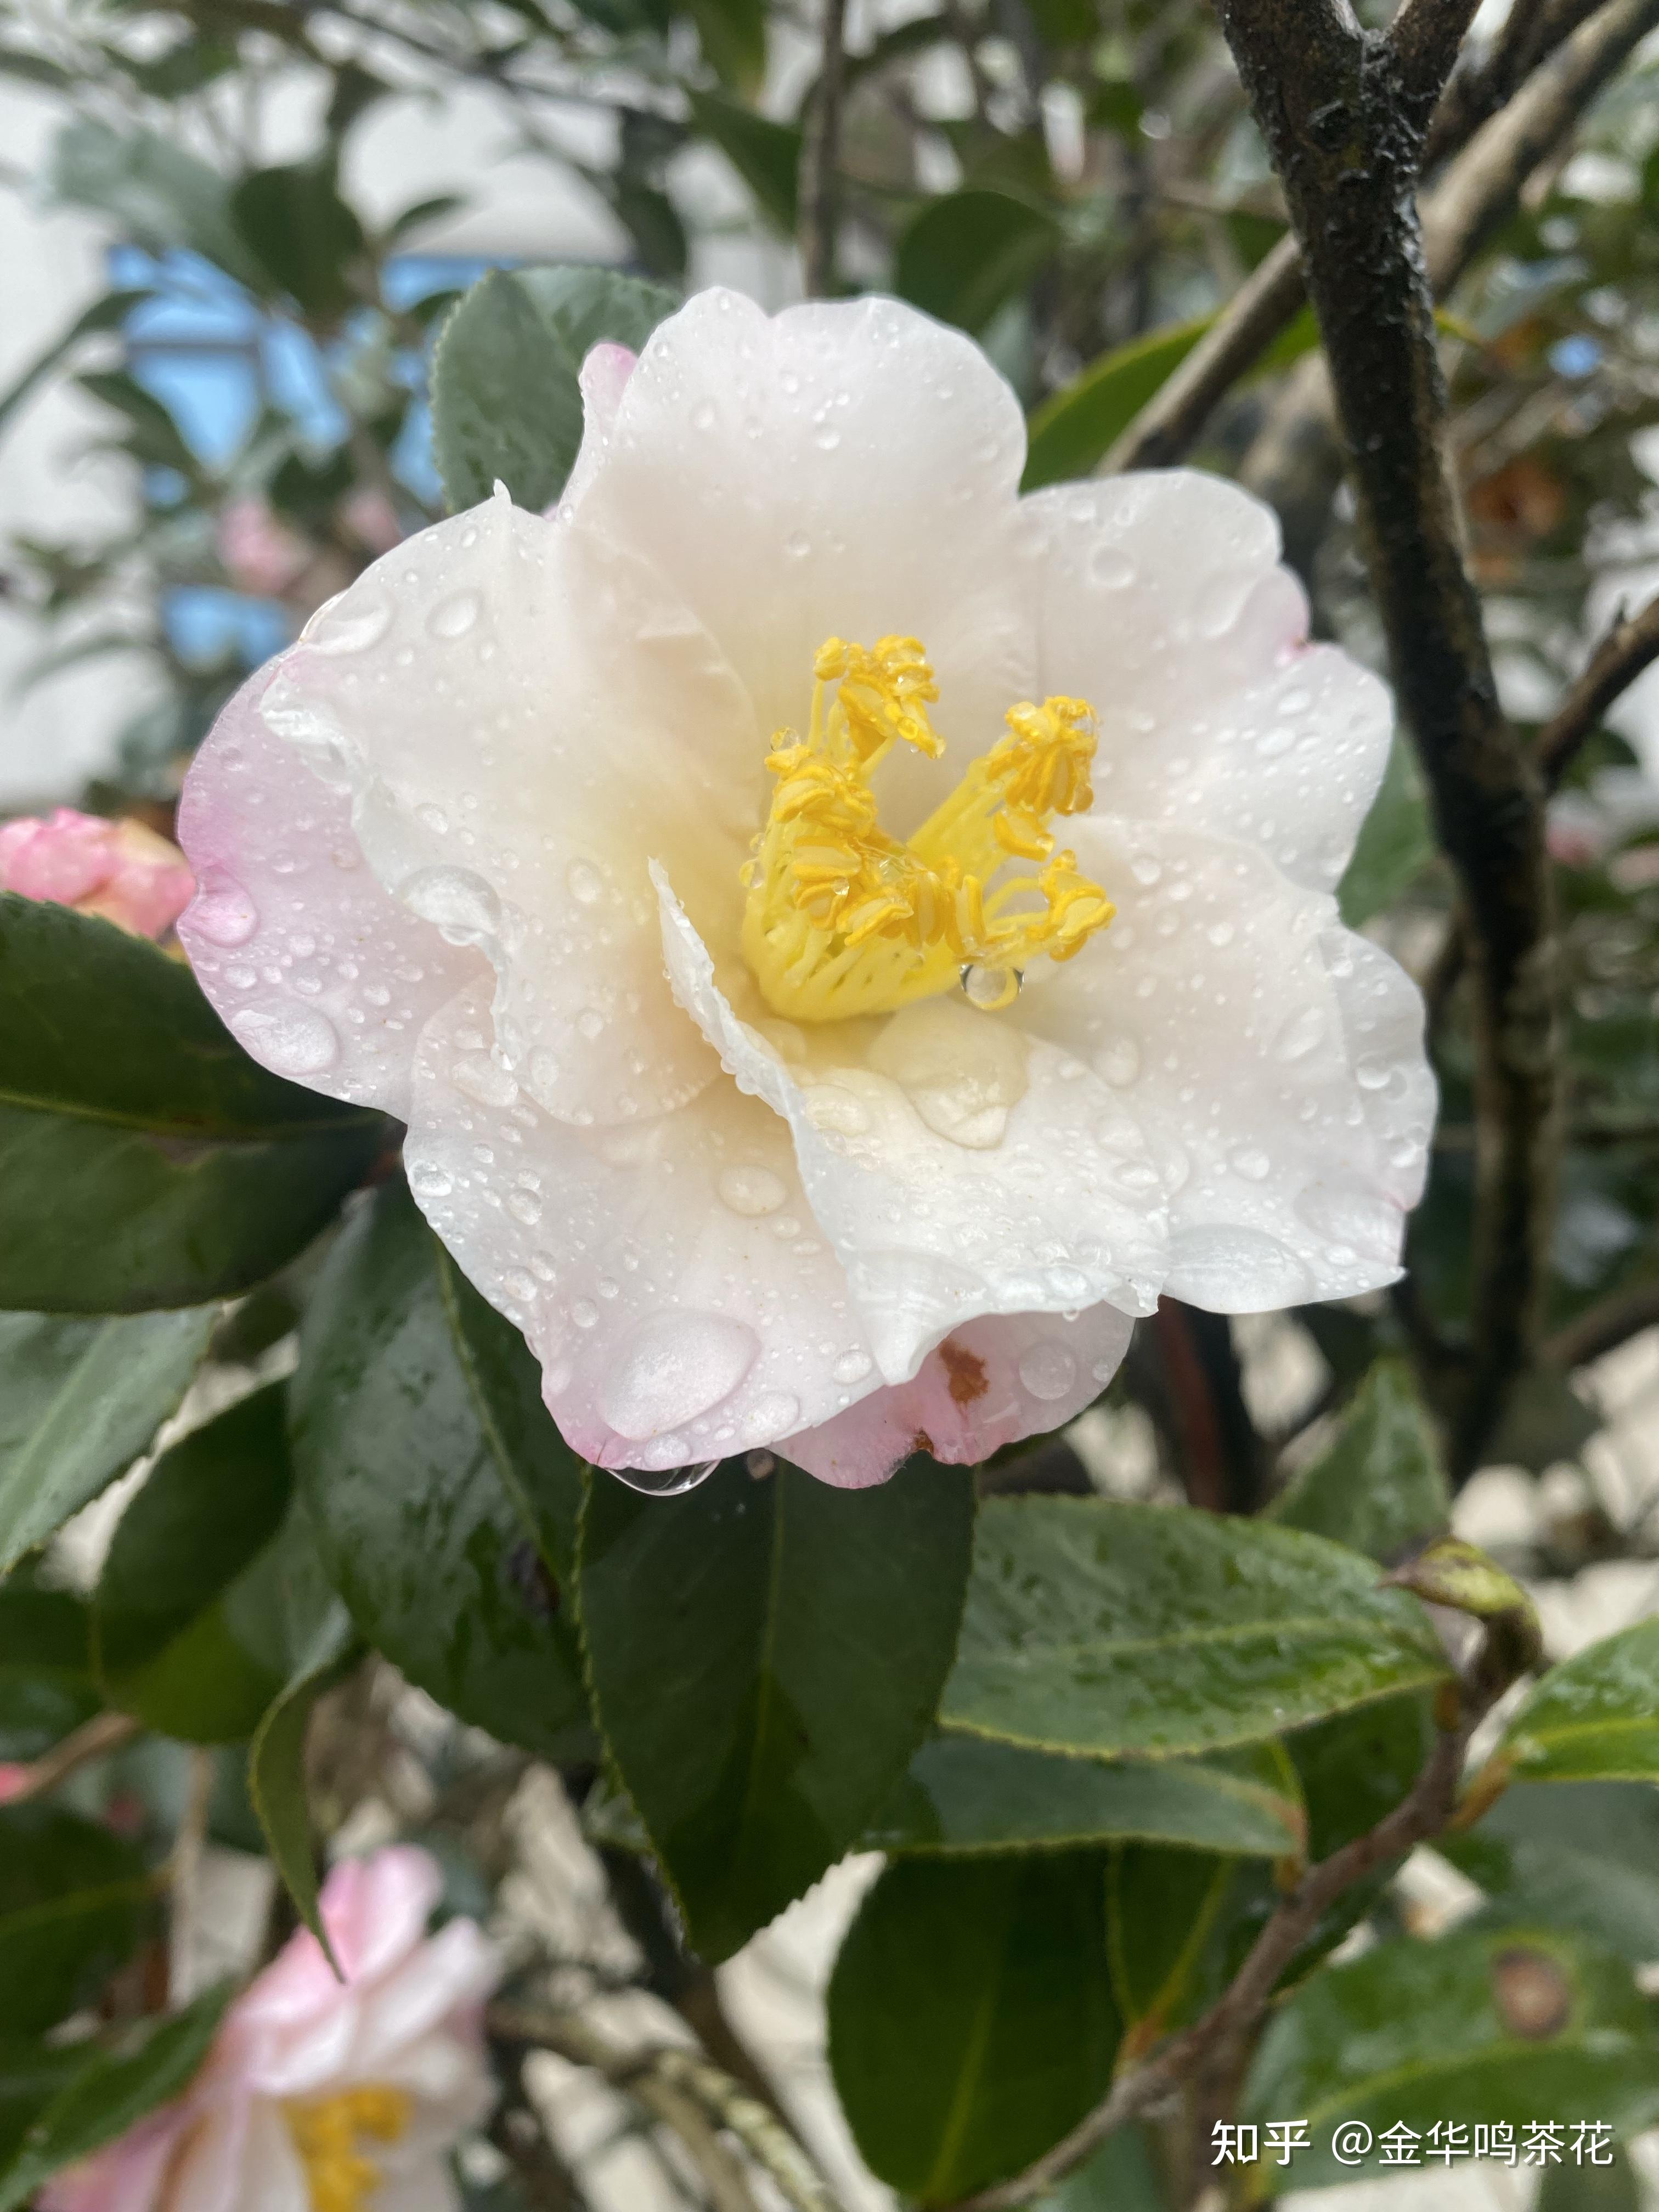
[[441, 1986], [990, 1383], [63, 858], [1161, 600], [127, 2176], [376, 1908], [846, 468], [271, 2177], [209, 2174], [666, 1272], [320, 972], [149, 885], [1273, 1060], [604, 375], [959, 1164], [524, 716], [15, 1778]]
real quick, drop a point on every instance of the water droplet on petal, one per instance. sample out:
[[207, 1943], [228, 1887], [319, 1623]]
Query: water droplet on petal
[[525, 1205], [988, 988], [1119, 1061], [454, 617], [836, 1109], [1048, 1371], [751, 1190], [852, 1367], [1110, 568], [338, 628], [292, 1040], [674, 1367], [429, 1181], [484, 1080], [222, 911], [665, 1481], [584, 881], [1251, 1161], [1300, 1034], [455, 901]]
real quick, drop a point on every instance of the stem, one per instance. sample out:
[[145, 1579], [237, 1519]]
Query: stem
[[820, 159], [1629, 647], [185, 1879], [94, 1739]]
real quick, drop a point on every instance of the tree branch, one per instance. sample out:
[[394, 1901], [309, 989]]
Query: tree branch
[[1630, 645], [820, 197], [94, 1739], [1602, 1327], [1427, 36]]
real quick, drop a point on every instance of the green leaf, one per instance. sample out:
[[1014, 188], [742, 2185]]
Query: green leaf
[[1576, 1855], [46, 1687], [971, 2020], [1396, 842], [275, 1765], [765, 1657], [1379, 1487], [1589, 2188], [1161, 1906], [166, 1616], [764, 153], [160, 195], [964, 256], [147, 1161], [109, 2091], [965, 1793], [733, 34], [1110, 1629], [506, 403], [1480, 2027], [79, 1401], [1594, 1718], [107, 314], [1119, 2176], [74, 1899], [302, 233], [1072, 432], [443, 1499]]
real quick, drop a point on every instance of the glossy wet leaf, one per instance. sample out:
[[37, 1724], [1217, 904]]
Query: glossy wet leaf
[[764, 1657], [443, 1498], [46, 1688], [303, 235], [276, 1769], [1073, 430], [1577, 1855], [1504, 2028], [182, 1638], [74, 1903], [964, 254], [1594, 1718], [161, 195], [147, 1161], [1113, 1630], [966, 1792], [971, 2018], [104, 2089], [1395, 842], [79, 1402], [1161, 1908], [1379, 1486]]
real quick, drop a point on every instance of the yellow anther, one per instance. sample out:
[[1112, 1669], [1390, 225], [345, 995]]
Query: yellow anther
[[841, 919], [328, 2133]]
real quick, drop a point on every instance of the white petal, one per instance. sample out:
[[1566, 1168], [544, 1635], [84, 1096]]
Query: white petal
[[428, 2187], [318, 970], [990, 1383], [846, 469], [667, 1273], [272, 2178], [1274, 1062], [1162, 602], [523, 716], [958, 1165], [604, 374], [454, 1970]]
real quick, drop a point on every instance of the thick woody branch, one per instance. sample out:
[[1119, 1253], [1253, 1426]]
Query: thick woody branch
[[1629, 647], [1485, 83], [1339, 123], [1427, 36]]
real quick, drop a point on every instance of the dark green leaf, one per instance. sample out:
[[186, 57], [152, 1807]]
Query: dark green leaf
[[963, 256], [74, 1899], [733, 36], [147, 1161], [965, 1793], [443, 1499], [971, 2019], [1584, 2187], [1477, 2028], [764, 153], [1594, 1718], [1112, 1630], [505, 403], [1582, 1855], [1072, 431], [302, 233], [1161, 1906], [1396, 842], [165, 1620], [46, 1687], [79, 1401], [585, 307], [275, 1765], [110, 2091], [1380, 1487], [764, 1657], [161, 195], [1119, 2176]]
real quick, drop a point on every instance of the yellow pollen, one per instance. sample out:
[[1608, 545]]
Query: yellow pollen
[[328, 2132], [841, 919]]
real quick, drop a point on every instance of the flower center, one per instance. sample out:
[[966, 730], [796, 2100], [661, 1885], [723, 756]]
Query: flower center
[[327, 2132], [841, 919]]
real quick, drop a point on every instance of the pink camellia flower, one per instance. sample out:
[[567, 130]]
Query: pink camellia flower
[[119, 870], [320, 2095], [844, 937], [16, 1780], [259, 552]]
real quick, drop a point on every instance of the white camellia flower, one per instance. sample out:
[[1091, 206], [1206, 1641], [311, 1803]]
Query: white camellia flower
[[844, 937]]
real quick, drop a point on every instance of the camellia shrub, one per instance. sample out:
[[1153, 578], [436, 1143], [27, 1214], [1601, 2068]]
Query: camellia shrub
[[659, 1161]]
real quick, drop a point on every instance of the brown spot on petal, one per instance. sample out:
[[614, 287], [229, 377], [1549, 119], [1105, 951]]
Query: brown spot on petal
[[921, 1441], [966, 1372], [1532, 1995]]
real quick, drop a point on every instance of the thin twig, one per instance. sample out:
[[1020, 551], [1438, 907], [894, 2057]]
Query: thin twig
[[1630, 646], [1603, 1326], [820, 195], [669, 2081], [94, 1739], [185, 1879]]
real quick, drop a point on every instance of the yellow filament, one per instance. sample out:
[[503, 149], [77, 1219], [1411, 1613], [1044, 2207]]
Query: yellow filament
[[328, 2133], [841, 919]]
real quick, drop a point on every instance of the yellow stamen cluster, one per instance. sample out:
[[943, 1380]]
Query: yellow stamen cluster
[[842, 919], [328, 2132]]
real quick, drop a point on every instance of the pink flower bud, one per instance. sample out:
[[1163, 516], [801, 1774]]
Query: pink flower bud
[[119, 870]]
